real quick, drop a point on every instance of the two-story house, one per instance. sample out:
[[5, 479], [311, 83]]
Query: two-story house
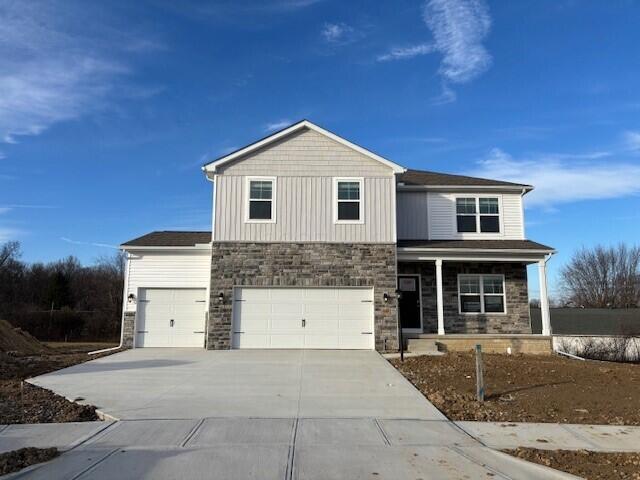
[[317, 242]]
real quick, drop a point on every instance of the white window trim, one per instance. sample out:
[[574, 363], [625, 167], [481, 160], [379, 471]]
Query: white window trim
[[247, 199], [477, 198], [360, 181], [482, 294]]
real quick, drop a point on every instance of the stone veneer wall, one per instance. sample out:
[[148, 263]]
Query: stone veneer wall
[[128, 329], [302, 265], [515, 321]]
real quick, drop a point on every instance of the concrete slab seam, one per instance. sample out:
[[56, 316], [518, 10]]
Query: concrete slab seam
[[578, 434], [483, 465], [288, 474], [193, 431], [469, 434], [95, 464], [382, 432], [86, 438], [3, 428]]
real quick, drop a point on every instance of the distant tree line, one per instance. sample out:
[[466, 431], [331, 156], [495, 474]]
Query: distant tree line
[[62, 300]]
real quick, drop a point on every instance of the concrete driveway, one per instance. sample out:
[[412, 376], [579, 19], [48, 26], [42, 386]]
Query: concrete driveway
[[306, 415], [190, 383]]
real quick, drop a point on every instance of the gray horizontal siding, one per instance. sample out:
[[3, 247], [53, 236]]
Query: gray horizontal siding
[[304, 212]]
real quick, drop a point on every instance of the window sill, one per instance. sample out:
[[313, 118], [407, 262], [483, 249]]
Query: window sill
[[260, 221], [349, 222], [475, 314]]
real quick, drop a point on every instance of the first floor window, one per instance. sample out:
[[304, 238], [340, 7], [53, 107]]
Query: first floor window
[[481, 293], [261, 199], [348, 200]]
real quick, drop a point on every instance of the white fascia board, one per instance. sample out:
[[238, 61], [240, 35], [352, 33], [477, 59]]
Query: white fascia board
[[516, 188], [212, 167], [463, 251], [428, 257]]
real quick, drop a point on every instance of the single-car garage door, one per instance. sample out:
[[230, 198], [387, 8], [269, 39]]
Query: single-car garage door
[[303, 318], [171, 317]]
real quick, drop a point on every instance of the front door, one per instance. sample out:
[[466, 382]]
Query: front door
[[410, 317]]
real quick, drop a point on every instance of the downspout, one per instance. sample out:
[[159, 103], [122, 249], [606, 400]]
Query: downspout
[[213, 213], [124, 305]]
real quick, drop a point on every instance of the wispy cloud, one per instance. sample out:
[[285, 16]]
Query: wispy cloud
[[632, 140], [338, 34], [563, 178], [28, 206], [458, 28], [91, 244], [54, 67], [277, 125], [7, 234], [406, 52], [4, 210]]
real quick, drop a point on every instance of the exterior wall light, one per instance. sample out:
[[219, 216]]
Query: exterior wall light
[[131, 298], [221, 297], [385, 297]]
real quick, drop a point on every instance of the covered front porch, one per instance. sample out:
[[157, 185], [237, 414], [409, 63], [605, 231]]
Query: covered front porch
[[458, 292]]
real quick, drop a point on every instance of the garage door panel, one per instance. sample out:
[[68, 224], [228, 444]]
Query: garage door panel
[[186, 307], [272, 317]]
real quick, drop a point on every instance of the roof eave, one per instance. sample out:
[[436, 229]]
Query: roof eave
[[519, 188]]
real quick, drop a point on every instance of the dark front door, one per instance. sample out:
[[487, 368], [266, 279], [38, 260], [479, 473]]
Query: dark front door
[[410, 301]]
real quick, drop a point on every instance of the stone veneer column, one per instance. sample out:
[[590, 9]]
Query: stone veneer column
[[302, 265]]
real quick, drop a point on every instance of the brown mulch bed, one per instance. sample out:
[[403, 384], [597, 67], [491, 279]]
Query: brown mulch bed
[[18, 459], [529, 388], [586, 464], [24, 403]]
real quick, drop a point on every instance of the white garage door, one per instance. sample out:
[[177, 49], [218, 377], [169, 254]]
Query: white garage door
[[303, 318], [171, 317]]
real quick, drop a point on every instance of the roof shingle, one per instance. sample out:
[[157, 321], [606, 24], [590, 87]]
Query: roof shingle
[[169, 239], [475, 244], [423, 177]]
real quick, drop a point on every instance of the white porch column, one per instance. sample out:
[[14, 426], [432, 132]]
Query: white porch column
[[439, 297], [544, 299]]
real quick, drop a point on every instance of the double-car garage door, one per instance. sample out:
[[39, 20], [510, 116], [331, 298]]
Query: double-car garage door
[[303, 318], [340, 318]]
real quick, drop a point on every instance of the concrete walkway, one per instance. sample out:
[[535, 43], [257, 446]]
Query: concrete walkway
[[306, 415], [281, 448], [554, 436]]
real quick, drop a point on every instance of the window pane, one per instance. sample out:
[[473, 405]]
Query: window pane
[[466, 223], [488, 205], [260, 190], [348, 210], [465, 205], [260, 210], [348, 191], [492, 284], [469, 285], [494, 303], [489, 224], [470, 303]]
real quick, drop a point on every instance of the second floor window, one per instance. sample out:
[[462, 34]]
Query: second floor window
[[261, 200], [348, 200], [478, 215]]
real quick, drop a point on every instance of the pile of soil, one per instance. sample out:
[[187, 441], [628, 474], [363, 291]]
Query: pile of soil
[[18, 459], [586, 464], [22, 357], [16, 341], [529, 388]]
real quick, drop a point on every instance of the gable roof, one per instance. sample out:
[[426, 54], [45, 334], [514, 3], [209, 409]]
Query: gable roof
[[213, 165], [427, 178], [169, 239]]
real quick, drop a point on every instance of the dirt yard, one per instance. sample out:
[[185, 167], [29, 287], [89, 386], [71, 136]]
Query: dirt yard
[[18, 459], [589, 465], [23, 403], [529, 388]]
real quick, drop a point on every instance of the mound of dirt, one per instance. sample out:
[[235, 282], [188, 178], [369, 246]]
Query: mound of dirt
[[18, 459], [15, 341]]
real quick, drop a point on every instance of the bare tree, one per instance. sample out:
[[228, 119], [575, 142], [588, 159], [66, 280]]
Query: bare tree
[[603, 277], [9, 251]]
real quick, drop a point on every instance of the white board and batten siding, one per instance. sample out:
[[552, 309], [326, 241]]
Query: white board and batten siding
[[304, 165], [432, 215], [171, 270]]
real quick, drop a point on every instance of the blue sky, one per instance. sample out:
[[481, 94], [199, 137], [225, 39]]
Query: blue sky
[[107, 109]]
